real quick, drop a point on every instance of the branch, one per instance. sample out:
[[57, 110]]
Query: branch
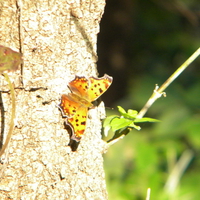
[[158, 92]]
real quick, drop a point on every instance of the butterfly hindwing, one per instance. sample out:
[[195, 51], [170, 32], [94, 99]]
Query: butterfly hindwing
[[78, 123], [68, 105]]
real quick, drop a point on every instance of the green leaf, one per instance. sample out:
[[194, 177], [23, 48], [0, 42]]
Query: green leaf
[[121, 110], [119, 123], [107, 121], [131, 114], [106, 124], [146, 119], [9, 59], [127, 120], [134, 126]]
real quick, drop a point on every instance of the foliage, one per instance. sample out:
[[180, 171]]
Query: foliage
[[125, 123], [164, 36], [147, 158]]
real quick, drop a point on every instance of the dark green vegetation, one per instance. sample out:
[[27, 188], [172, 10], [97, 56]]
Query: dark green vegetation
[[141, 44]]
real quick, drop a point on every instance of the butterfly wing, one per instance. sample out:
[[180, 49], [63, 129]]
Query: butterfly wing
[[75, 105], [68, 105], [79, 86], [78, 123], [98, 86], [76, 114], [92, 88]]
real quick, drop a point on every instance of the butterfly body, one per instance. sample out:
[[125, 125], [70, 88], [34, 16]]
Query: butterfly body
[[75, 105]]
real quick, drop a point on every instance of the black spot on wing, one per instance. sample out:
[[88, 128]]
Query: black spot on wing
[[100, 90]]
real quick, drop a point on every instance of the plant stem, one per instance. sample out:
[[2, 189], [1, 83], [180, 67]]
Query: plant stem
[[12, 114], [158, 92]]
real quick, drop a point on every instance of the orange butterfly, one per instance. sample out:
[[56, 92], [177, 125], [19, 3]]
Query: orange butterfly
[[75, 105]]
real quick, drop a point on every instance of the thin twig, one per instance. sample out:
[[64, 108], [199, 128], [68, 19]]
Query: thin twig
[[12, 114], [158, 92], [178, 170], [148, 194]]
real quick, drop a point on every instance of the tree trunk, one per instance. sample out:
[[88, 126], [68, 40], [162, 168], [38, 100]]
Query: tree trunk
[[58, 41]]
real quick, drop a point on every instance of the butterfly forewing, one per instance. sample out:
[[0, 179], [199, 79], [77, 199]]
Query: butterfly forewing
[[98, 86], [79, 86]]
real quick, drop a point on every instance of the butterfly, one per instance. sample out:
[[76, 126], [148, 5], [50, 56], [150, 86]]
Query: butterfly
[[76, 104]]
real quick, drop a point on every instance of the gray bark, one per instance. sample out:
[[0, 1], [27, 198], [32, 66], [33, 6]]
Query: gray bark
[[58, 41]]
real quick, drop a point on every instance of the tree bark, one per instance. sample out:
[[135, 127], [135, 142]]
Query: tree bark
[[58, 41]]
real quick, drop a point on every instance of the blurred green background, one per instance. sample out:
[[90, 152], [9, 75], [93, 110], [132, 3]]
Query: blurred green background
[[141, 43]]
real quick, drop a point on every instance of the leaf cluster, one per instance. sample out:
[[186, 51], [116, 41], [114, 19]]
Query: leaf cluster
[[122, 124]]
